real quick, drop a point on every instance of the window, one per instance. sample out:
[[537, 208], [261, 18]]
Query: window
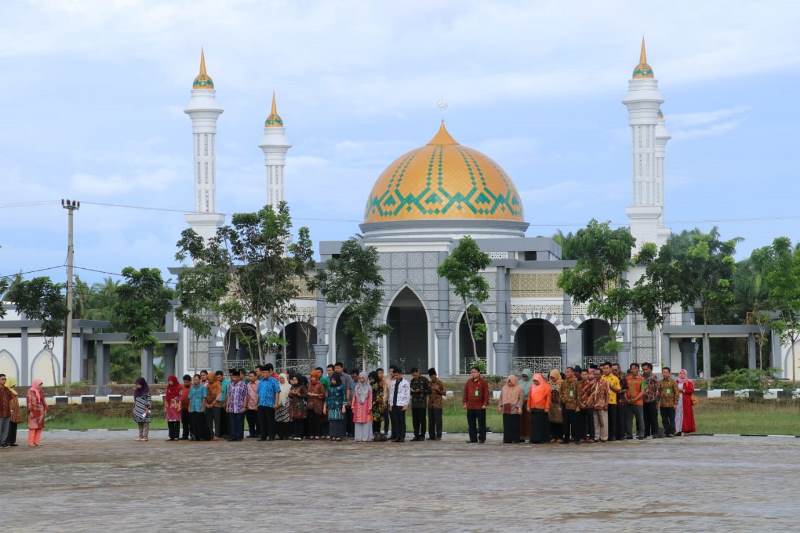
[[530, 256]]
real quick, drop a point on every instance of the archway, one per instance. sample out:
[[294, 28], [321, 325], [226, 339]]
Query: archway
[[345, 351], [465, 355], [595, 332], [241, 344], [299, 338], [8, 365], [407, 342], [45, 367], [537, 337]]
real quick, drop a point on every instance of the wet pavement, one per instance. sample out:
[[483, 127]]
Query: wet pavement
[[102, 481]]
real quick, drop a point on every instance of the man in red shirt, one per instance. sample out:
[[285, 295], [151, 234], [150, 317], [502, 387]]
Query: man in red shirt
[[476, 399]]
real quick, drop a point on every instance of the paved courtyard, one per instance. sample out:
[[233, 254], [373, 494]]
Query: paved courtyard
[[104, 481]]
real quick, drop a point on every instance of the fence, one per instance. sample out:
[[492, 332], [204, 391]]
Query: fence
[[302, 366], [536, 364], [599, 360]]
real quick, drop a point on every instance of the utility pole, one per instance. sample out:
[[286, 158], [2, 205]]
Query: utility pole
[[71, 206]]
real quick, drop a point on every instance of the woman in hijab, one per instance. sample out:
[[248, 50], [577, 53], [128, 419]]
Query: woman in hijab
[[142, 408], [361, 406], [539, 400], [16, 415], [511, 409], [684, 411], [283, 416], [555, 415], [298, 394], [172, 407], [335, 408], [316, 404], [525, 417], [37, 409]]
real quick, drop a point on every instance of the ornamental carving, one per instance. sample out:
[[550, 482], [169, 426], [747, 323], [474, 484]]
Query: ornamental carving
[[539, 285]]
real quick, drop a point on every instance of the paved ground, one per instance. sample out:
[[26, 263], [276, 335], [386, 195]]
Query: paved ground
[[104, 481]]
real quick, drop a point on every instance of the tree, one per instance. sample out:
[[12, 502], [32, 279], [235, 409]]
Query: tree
[[3, 289], [142, 304], [783, 279], [249, 271], [353, 279], [566, 242], [462, 269], [603, 257], [41, 299], [656, 291], [751, 291]]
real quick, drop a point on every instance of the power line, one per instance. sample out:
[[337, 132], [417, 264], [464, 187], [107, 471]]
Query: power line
[[32, 271]]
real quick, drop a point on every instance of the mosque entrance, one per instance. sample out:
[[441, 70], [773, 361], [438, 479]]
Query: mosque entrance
[[407, 343], [465, 355], [297, 353], [595, 333], [345, 351], [537, 346]]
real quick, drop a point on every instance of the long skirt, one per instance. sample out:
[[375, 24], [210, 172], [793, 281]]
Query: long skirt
[[539, 426], [556, 430], [336, 428], [510, 429], [199, 426], [525, 423]]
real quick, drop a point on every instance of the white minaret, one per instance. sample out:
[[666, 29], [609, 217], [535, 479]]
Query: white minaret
[[204, 112], [274, 145], [650, 137]]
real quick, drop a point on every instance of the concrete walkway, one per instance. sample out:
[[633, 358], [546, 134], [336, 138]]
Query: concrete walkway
[[104, 480]]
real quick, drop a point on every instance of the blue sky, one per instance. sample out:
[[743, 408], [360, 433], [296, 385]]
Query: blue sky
[[93, 95]]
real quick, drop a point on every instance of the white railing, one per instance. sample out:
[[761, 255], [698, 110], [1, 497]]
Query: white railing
[[536, 364], [599, 360]]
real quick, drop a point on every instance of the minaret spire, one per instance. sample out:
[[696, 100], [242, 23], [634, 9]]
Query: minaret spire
[[274, 146], [643, 54], [642, 70]]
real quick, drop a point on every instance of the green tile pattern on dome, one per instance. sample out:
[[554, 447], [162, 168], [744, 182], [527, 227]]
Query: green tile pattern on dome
[[443, 182]]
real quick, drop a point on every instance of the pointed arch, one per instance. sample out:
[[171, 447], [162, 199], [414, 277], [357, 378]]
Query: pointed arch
[[408, 344], [46, 367], [8, 365]]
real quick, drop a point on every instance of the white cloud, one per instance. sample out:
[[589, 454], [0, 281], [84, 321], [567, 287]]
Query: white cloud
[[158, 180], [702, 124]]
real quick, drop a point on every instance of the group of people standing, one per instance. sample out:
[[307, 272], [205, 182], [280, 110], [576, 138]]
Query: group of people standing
[[327, 404], [11, 414], [595, 404]]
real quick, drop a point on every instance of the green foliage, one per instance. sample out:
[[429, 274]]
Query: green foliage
[[142, 303], [40, 299], [783, 280], [567, 244], [480, 363], [3, 289], [249, 271], [744, 378], [353, 278], [462, 269], [603, 257]]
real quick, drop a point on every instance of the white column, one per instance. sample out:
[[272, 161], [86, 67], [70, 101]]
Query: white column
[[274, 145]]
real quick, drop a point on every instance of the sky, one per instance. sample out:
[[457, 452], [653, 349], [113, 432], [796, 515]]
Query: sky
[[93, 95]]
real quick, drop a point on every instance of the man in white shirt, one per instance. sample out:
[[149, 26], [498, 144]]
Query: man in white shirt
[[399, 398]]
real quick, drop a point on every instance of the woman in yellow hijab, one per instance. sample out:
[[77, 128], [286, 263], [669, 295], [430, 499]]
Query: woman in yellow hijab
[[16, 417]]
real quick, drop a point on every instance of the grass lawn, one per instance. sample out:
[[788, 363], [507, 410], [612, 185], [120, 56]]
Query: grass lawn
[[712, 416]]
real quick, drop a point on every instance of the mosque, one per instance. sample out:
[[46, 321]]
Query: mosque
[[415, 213]]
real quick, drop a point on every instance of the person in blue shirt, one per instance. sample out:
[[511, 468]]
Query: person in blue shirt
[[268, 392], [197, 406]]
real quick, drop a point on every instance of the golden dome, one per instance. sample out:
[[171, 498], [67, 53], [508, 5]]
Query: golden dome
[[274, 120], [203, 80], [443, 180]]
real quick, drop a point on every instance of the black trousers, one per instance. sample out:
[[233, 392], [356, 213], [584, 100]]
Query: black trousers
[[350, 427], [588, 422], [283, 429], [476, 420], [225, 424], [315, 424], [199, 424], [650, 419], [252, 422], [612, 421], [12, 433], [214, 420], [510, 429], [418, 422], [387, 417], [398, 424], [236, 426], [668, 420], [174, 429], [540, 426], [186, 422], [574, 429], [620, 421], [555, 430], [434, 423], [298, 428], [266, 422]]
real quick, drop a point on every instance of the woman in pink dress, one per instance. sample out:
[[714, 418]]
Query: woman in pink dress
[[37, 409], [684, 412], [361, 404], [172, 407]]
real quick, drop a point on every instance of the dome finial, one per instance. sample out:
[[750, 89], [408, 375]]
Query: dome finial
[[442, 136], [642, 70], [203, 80], [274, 120]]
